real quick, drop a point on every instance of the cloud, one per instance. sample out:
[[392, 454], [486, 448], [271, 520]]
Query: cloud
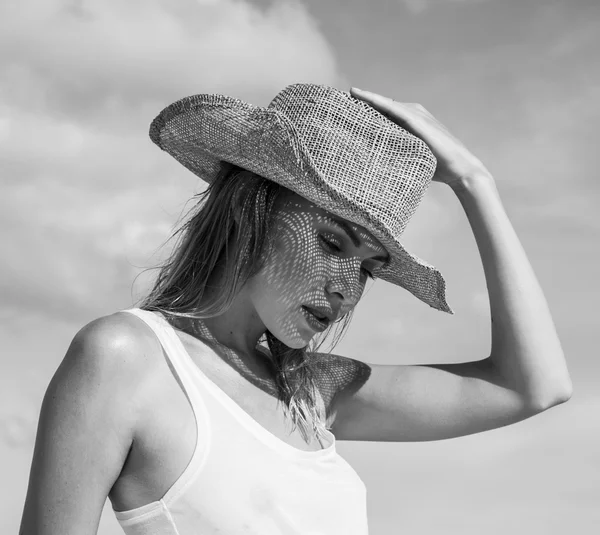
[[93, 58], [86, 196], [419, 6]]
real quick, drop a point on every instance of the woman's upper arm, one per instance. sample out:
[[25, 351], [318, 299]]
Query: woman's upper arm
[[405, 403], [85, 431]]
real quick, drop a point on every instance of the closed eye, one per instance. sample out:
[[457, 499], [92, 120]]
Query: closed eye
[[334, 248]]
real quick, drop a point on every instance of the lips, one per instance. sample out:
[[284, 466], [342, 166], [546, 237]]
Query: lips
[[320, 313], [316, 324]]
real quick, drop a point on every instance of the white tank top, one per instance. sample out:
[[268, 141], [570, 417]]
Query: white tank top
[[242, 478]]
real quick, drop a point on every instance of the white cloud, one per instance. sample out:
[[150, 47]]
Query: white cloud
[[86, 196], [111, 56], [419, 6]]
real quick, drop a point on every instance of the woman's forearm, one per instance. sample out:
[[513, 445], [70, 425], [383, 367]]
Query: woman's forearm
[[526, 352]]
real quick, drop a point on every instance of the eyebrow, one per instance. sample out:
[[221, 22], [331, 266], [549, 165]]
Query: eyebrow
[[354, 238]]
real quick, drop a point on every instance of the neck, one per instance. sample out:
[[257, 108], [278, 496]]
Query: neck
[[253, 362]]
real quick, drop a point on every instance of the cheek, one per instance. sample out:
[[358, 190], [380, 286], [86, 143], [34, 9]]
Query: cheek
[[287, 281], [296, 263]]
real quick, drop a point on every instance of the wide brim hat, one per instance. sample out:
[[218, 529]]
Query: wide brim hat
[[332, 149]]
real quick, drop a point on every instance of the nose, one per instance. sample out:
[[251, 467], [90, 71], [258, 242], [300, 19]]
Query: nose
[[346, 284]]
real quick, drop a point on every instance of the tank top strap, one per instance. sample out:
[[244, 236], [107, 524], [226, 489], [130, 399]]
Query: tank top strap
[[178, 358], [174, 350]]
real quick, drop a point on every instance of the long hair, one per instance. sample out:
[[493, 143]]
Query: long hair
[[201, 245]]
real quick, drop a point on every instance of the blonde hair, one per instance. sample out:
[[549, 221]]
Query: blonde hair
[[201, 245]]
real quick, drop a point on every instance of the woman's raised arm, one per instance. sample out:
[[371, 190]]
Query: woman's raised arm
[[525, 372], [526, 354]]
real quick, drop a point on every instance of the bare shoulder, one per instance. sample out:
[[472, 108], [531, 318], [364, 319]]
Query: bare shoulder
[[87, 424], [121, 336], [115, 352], [123, 356]]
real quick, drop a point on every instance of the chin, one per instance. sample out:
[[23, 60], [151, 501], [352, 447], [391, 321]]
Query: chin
[[296, 340], [297, 344]]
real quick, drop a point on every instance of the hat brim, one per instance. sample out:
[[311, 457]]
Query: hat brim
[[201, 131]]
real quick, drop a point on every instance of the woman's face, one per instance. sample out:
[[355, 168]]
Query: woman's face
[[314, 262]]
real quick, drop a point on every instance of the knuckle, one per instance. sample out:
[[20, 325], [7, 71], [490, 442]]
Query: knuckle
[[416, 106], [386, 101]]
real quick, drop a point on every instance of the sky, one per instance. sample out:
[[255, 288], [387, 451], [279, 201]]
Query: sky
[[87, 202]]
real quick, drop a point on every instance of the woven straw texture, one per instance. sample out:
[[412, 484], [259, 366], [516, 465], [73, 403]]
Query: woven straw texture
[[336, 151]]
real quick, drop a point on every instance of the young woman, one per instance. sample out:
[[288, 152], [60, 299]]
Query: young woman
[[179, 410]]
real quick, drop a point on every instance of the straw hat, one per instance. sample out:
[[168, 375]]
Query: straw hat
[[332, 149]]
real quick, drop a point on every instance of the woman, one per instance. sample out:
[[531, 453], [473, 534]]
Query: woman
[[177, 410]]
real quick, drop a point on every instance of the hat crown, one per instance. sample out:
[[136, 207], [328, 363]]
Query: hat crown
[[372, 162]]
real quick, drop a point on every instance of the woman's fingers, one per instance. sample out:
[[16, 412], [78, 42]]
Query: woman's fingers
[[406, 113], [370, 97], [382, 104], [455, 162], [379, 102], [410, 115]]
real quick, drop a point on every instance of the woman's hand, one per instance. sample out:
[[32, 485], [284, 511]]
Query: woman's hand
[[456, 166]]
